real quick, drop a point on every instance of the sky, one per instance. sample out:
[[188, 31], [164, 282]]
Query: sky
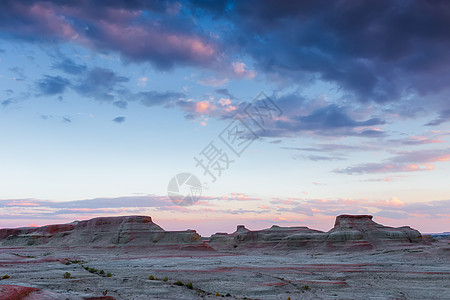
[[287, 112]]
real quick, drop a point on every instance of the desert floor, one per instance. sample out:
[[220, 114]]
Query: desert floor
[[419, 273]]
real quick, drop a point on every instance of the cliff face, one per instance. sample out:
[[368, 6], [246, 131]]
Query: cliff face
[[350, 232], [105, 231], [361, 231]]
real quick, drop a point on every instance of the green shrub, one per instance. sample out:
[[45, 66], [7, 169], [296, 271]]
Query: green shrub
[[189, 285], [92, 270], [151, 277], [109, 275], [165, 279], [5, 276], [178, 283], [67, 275], [305, 287], [229, 295], [101, 272]]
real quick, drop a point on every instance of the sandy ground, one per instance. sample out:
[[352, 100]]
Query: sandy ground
[[419, 273]]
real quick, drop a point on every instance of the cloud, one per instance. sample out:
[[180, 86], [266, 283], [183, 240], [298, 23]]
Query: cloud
[[444, 116], [319, 157], [239, 69], [366, 48], [121, 104], [369, 50], [70, 67], [159, 32], [53, 85], [142, 81], [119, 120], [212, 81], [327, 147], [226, 93], [154, 98], [412, 161], [218, 108], [322, 119], [100, 84]]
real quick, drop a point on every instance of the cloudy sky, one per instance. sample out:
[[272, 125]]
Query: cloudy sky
[[336, 107]]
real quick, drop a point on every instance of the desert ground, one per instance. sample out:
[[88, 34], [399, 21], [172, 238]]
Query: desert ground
[[420, 273], [199, 271]]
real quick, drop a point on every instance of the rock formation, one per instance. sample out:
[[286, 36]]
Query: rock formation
[[275, 236], [350, 232], [104, 231]]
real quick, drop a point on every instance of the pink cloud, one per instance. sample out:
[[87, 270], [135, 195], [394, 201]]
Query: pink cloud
[[124, 30], [241, 72], [404, 162], [18, 203], [203, 106]]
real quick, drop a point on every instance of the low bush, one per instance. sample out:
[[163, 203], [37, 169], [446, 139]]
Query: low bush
[[178, 283]]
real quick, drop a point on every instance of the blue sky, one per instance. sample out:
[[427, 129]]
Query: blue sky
[[102, 103]]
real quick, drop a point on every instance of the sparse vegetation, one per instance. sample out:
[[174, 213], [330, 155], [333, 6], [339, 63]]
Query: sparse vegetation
[[5, 276], [305, 287], [151, 277], [76, 261], [67, 275], [165, 279], [178, 283], [189, 285], [94, 270]]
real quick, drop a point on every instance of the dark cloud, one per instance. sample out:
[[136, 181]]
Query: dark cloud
[[226, 93], [121, 104], [444, 116], [70, 67], [374, 50], [412, 161], [154, 98], [53, 85], [19, 72], [119, 120], [333, 148], [319, 157], [7, 102], [378, 50], [333, 116], [158, 32], [100, 84], [329, 120]]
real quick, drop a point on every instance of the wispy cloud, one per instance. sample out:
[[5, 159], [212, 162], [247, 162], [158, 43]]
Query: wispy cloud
[[412, 161]]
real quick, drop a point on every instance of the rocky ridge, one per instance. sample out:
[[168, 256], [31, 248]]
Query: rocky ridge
[[350, 232]]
